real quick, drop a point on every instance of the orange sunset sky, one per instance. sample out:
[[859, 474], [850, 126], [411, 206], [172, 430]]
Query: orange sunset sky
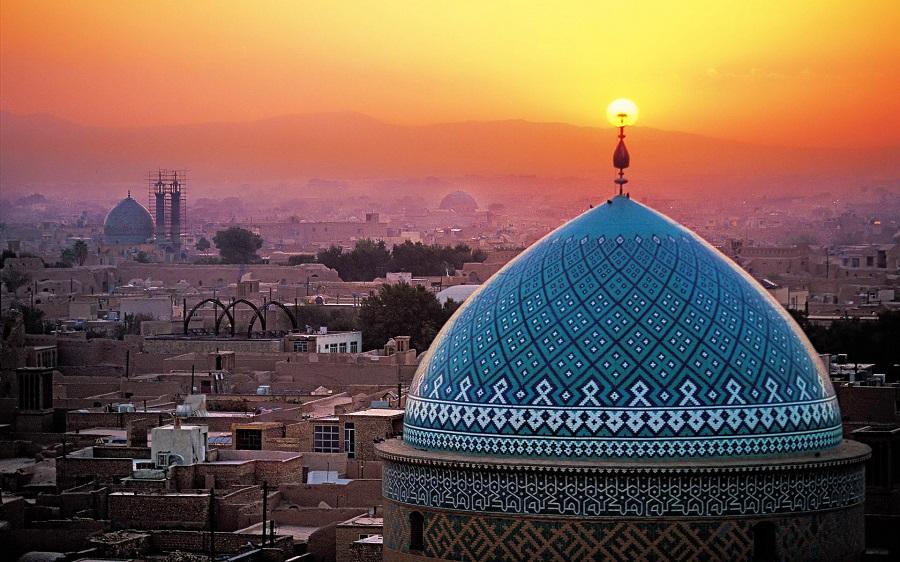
[[797, 73]]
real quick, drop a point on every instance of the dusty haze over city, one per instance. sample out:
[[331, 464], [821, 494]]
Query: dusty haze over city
[[480, 280]]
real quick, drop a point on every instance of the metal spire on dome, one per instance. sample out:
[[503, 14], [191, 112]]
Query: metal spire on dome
[[620, 113]]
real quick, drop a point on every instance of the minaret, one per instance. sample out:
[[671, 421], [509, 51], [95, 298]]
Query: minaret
[[175, 216], [160, 192]]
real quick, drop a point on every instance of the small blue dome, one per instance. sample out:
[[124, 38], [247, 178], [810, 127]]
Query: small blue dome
[[129, 222], [621, 334]]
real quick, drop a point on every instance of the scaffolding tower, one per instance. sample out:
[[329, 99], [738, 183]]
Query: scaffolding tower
[[168, 204]]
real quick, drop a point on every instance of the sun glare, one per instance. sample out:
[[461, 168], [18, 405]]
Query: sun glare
[[622, 112]]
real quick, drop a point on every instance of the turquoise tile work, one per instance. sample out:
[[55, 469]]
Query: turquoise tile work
[[621, 334]]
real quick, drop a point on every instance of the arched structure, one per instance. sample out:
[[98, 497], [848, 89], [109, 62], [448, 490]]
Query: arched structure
[[231, 307], [265, 308], [218, 304]]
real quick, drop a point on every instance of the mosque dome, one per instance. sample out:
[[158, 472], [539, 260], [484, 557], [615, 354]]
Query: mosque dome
[[621, 335], [459, 201], [129, 222]]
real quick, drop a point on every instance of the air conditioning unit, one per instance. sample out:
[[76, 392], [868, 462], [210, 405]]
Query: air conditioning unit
[[167, 459]]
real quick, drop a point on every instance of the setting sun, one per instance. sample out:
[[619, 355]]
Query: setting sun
[[622, 112]]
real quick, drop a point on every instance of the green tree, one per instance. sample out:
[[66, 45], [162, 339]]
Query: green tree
[[33, 319], [80, 250], [237, 245], [4, 255], [202, 244], [402, 310], [421, 260], [142, 257], [300, 259], [67, 257], [368, 259], [14, 279]]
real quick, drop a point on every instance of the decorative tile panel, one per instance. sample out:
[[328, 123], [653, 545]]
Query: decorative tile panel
[[625, 492]]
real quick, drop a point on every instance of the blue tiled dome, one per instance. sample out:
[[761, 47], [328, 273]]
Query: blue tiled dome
[[621, 334], [129, 222]]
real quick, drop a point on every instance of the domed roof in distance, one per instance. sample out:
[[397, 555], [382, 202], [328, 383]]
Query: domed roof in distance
[[459, 201], [129, 222], [621, 334], [458, 293]]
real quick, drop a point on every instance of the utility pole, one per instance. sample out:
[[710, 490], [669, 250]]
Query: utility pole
[[212, 524], [265, 506]]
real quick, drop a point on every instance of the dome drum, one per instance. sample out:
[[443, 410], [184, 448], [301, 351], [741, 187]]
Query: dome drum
[[475, 507]]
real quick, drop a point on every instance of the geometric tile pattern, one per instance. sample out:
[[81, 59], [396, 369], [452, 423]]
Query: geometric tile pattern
[[624, 492], [820, 536], [621, 334]]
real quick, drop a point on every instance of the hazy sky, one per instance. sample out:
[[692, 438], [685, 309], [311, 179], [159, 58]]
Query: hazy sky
[[784, 72]]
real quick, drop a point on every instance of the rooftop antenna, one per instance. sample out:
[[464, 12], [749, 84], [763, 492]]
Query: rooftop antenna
[[621, 113]]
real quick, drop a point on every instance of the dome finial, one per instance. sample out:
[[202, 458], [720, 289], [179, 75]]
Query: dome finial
[[620, 113]]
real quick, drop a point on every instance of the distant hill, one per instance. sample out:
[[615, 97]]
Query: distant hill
[[42, 153]]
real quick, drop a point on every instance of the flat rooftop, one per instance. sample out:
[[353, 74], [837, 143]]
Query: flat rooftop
[[363, 521], [378, 413], [299, 533]]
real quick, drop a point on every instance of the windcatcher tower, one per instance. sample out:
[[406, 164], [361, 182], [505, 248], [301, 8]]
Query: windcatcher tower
[[168, 199]]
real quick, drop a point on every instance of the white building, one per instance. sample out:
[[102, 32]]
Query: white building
[[324, 341], [178, 444]]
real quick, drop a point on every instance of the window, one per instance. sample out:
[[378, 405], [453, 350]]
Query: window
[[354, 347], [248, 439], [301, 346], [764, 542], [416, 531], [350, 440], [162, 459], [325, 439], [870, 261], [343, 347], [332, 348]]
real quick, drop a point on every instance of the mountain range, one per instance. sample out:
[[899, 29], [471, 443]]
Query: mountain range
[[54, 156]]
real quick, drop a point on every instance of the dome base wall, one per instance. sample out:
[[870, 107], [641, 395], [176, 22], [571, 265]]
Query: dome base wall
[[836, 535]]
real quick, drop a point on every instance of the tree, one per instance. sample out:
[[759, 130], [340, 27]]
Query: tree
[[402, 310], [67, 257], [33, 319], [202, 244], [870, 341], [237, 245], [4, 255], [14, 279], [421, 260], [142, 257], [300, 259], [368, 260], [80, 250]]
